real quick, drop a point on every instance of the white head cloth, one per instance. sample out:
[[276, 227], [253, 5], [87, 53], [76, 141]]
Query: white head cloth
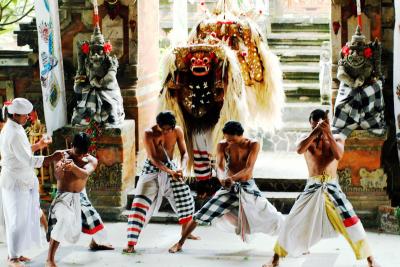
[[20, 106]]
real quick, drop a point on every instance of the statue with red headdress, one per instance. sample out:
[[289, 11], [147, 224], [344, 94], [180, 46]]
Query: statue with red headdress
[[96, 86], [359, 103]]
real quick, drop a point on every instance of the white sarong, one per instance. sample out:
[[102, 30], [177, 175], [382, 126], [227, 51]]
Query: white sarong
[[65, 223], [321, 211]]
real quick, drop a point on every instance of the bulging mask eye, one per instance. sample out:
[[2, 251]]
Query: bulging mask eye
[[192, 60], [206, 60]]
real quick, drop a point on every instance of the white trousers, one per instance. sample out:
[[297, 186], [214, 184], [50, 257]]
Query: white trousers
[[22, 219]]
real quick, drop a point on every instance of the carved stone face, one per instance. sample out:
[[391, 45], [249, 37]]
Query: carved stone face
[[360, 61], [97, 56], [356, 58], [355, 62]]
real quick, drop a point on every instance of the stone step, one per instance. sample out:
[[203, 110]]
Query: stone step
[[299, 112], [300, 71], [298, 98], [297, 54], [294, 86], [368, 218], [299, 26], [301, 19], [299, 36], [296, 39], [300, 68], [281, 200], [283, 204]]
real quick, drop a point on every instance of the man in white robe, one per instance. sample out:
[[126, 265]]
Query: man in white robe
[[19, 184]]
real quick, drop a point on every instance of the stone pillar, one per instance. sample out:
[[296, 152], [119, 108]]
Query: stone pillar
[[148, 87], [108, 187]]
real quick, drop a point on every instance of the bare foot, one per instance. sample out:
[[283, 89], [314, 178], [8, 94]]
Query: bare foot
[[15, 263], [372, 262], [129, 250], [97, 247], [193, 237], [273, 263], [24, 259], [50, 264], [175, 248]]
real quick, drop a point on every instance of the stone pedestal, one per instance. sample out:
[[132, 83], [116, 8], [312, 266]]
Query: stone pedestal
[[389, 221], [361, 175], [115, 174]]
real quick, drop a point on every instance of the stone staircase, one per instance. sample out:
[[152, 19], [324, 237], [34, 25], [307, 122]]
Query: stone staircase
[[297, 41]]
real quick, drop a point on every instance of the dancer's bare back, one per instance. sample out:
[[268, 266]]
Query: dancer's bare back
[[320, 159]]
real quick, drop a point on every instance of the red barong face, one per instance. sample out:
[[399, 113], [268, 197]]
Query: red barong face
[[199, 85]]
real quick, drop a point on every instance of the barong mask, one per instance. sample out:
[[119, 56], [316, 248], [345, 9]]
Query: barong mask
[[360, 62], [238, 36], [198, 84], [230, 25]]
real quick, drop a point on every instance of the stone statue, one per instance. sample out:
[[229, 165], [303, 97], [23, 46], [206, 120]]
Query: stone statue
[[360, 63], [359, 102], [96, 86]]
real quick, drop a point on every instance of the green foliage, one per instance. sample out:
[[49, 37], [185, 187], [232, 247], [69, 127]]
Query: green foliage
[[13, 11]]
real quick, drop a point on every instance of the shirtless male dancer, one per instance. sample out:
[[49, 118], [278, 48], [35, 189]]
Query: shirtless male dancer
[[236, 156], [71, 212], [322, 209], [160, 177]]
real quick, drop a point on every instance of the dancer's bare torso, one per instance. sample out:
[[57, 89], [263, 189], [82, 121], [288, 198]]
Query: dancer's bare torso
[[67, 181]]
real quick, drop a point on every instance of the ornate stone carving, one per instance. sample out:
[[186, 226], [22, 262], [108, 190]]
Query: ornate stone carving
[[106, 178], [344, 177], [373, 179]]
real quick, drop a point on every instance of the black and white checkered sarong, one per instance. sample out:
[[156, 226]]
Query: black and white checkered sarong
[[361, 107], [180, 190], [91, 220], [225, 201]]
